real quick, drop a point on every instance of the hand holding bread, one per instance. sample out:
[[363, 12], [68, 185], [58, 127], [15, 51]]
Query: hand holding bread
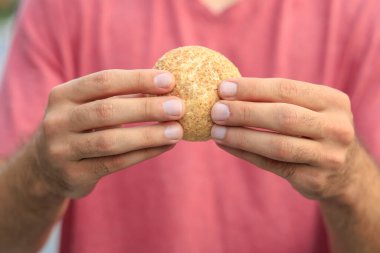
[[198, 71]]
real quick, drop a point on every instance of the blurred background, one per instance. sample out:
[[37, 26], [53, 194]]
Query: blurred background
[[8, 14]]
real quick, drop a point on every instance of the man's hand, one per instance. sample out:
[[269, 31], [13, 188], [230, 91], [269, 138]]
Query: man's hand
[[304, 133], [300, 131], [82, 139]]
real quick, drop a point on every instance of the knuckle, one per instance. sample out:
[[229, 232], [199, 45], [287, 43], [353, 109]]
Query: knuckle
[[300, 154], [310, 120], [329, 129], [343, 100], [246, 113], [287, 89], [147, 108], [335, 160], [286, 118], [343, 132], [92, 146], [139, 78], [306, 155], [56, 152], [282, 149], [104, 143], [105, 110], [54, 95], [346, 134], [102, 80], [308, 90], [337, 98], [81, 148], [51, 123]]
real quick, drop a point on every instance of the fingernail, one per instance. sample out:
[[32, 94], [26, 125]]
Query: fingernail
[[220, 112], [173, 107], [173, 132], [228, 89], [163, 80], [218, 132]]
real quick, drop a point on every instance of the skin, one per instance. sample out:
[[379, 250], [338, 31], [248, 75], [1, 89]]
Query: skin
[[77, 144], [218, 6], [312, 143]]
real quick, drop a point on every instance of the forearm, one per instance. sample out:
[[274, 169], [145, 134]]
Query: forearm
[[354, 225], [28, 210]]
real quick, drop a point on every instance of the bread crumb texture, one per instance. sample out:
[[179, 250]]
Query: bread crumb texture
[[198, 71]]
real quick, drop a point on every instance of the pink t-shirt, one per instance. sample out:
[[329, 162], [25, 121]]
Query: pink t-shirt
[[195, 198]]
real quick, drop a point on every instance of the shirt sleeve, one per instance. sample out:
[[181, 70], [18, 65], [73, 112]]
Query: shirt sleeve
[[365, 85], [35, 65]]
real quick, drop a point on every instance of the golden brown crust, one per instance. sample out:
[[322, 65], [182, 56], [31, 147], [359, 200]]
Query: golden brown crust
[[198, 71]]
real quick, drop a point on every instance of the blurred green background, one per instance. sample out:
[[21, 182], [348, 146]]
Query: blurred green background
[[8, 10], [8, 15]]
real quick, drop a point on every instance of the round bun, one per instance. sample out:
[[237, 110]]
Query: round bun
[[198, 71]]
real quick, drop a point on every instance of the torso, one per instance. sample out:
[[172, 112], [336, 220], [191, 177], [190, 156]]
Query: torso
[[197, 198]]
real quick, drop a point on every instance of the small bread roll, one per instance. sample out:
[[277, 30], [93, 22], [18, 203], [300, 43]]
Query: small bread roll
[[198, 71]]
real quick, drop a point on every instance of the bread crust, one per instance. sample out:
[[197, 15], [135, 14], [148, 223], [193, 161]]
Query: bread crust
[[198, 71]]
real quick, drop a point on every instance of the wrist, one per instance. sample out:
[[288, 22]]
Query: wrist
[[43, 184], [24, 180], [362, 177]]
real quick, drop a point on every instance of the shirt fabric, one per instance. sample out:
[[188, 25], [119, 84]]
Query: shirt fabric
[[195, 198]]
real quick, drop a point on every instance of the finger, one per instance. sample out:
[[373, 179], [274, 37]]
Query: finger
[[279, 117], [115, 111], [123, 140], [305, 179], [312, 96], [271, 145], [282, 169], [110, 83], [99, 167]]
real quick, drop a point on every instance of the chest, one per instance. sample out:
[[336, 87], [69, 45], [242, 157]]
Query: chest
[[282, 39]]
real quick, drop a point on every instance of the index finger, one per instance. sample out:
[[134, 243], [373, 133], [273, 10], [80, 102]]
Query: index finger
[[312, 96], [108, 83]]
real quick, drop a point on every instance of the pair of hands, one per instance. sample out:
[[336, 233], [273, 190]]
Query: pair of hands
[[300, 131]]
